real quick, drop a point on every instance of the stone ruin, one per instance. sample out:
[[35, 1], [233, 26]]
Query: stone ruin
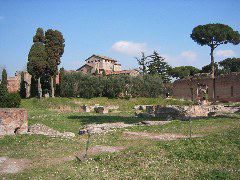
[[13, 121], [42, 129], [186, 112], [99, 109]]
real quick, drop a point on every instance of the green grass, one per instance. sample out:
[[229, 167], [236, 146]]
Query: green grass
[[214, 156]]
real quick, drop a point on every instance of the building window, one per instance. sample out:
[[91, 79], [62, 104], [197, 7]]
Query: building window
[[231, 91]]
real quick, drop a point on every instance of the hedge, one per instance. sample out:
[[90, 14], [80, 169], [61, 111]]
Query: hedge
[[76, 84]]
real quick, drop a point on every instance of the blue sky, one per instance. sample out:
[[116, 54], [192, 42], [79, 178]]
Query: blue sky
[[118, 29]]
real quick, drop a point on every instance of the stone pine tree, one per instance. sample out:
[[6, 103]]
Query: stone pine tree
[[142, 62], [4, 79], [54, 44], [158, 65], [214, 35], [37, 59], [230, 65], [183, 71]]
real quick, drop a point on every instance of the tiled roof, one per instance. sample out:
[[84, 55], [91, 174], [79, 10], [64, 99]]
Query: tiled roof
[[88, 64]]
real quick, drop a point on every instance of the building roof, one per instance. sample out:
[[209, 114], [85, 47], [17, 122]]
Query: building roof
[[102, 57], [88, 64]]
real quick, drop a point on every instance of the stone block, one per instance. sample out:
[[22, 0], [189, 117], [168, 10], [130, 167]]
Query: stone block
[[88, 108], [102, 110], [13, 121]]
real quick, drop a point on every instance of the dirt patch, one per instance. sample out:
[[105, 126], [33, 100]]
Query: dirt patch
[[153, 136], [10, 165], [109, 149], [47, 131], [98, 150], [154, 123]]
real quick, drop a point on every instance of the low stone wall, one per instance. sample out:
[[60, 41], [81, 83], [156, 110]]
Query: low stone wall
[[13, 121], [186, 112]]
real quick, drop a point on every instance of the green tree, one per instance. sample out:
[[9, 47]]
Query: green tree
[[22, 86], [208, 69], [184, 71], [39, 36], [4, 79], [230, 65], [157, 65], [214, 35], [37, 63], [142, 62], [54, 44]]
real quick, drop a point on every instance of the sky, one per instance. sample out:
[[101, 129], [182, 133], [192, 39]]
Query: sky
[[117, 29]]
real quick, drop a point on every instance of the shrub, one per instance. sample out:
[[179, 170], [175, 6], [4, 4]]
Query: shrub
[[14, 100], [9, 100]]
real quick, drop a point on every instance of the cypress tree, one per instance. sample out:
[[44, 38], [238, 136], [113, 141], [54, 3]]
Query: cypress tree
[[4, 79], [22, 87], [54, 44]]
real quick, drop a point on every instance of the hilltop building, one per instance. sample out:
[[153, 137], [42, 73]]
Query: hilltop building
[[103, 63]]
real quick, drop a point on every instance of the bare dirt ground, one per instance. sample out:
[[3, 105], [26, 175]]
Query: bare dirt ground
[[153, 136], [10, 165]]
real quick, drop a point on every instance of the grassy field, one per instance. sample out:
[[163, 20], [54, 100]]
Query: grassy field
[[216, 155]]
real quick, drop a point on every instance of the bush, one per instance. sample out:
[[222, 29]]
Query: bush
[[76, 84], [9, 100]]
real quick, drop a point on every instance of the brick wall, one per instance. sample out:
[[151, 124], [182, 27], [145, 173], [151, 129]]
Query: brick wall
[[227, 87], [13, 84], [13, 121]]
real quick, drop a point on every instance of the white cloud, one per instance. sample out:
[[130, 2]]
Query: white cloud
[[190, 55], [225, 53], [185, 58], [129, 48]]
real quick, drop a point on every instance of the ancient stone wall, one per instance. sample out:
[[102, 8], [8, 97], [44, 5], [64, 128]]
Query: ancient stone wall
[[13, 83], [13, 121], [227, 87]]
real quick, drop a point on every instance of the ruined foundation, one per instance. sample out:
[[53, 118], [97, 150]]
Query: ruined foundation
[[13, 121]]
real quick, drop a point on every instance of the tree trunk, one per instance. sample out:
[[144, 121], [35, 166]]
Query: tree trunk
[[213, 72], [39, 88], [52, 87]]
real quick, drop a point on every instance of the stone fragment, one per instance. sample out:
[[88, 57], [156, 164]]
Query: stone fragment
[[154, 123], [47, 131], [140, 107], [103, 128], [87, 108], [101, 110]]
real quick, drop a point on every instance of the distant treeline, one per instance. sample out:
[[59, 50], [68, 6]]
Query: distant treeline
[[76, 84]]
